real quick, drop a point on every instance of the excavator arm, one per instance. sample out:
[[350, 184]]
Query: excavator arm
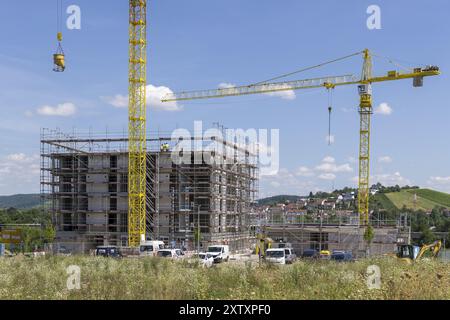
[[434, 248]]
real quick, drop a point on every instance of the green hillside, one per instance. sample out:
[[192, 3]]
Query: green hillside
[[20, 201], [383, 202], [426, 199], [439, 197]]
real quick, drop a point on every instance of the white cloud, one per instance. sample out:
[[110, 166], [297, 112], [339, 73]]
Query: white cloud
[[440, 180], [329, 165], [387, 179], [383, 109], [118, 101], [286, 95], [304, 172], [29, 113], [153, 96], [61, 110], [285, 182], [19, 173], [226, 85], [385, 159], [327, 176], [329, 159], [440, 183], [16, 157], [391, 179], [275, 184]]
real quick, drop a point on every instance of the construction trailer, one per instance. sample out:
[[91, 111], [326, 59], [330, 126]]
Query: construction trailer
[[84, 187]]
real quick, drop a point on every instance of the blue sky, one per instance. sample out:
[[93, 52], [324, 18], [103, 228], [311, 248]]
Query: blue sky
[[201, 44]]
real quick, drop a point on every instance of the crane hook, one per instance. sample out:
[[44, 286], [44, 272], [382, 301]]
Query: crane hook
[[59, 64]]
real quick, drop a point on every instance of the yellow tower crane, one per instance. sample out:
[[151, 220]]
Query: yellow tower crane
[[365, 108], [137, 115]]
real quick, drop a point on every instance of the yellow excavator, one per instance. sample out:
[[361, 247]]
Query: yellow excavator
[[262, 244], [410, 253]]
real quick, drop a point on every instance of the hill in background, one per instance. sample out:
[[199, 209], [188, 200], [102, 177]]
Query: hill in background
[[20, 201], [415, 199], [278, 199], [426, 199]]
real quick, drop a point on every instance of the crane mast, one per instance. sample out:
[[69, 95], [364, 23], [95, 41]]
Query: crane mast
[[137, 149], [365, 113]]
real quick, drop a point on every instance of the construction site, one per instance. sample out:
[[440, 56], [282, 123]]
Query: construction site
[[239, 153], [84, 186], [125, 189]]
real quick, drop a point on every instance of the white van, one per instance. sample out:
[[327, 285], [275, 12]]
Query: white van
[[150, 248], [277, 256], [219, 252]]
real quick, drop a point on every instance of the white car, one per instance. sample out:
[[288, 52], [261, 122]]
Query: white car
[[167, 253], [277, 256], [220, 253], [206, 259], [150, 248], [180, 253]]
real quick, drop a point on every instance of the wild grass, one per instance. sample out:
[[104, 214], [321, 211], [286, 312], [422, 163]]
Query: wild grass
[[152, 278]]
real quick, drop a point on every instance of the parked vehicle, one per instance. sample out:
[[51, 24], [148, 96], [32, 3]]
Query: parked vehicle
[[410, 253], [277, 256], [150, 248], [167, 253], [220, 253], [342, 256], [290, 256], [108, 252], [206, 259], [180, 253], [281, 245], [325, 255], [310, 254]]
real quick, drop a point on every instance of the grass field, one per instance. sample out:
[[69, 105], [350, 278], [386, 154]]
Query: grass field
[[426, 199], [151, 278]]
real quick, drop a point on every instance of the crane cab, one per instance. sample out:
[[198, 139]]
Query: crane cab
[[407, 251]]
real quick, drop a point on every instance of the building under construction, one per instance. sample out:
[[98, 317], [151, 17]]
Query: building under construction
[[84, 186]]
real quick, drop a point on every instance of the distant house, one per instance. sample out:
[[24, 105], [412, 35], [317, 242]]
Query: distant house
[[348, 197], [328, 204]]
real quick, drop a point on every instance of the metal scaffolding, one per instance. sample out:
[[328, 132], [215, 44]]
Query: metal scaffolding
[[84, 186]]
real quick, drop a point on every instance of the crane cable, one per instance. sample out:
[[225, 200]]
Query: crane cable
[[330, 109], [58, 16], [393, 62], [59, 19], [306, 69]]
